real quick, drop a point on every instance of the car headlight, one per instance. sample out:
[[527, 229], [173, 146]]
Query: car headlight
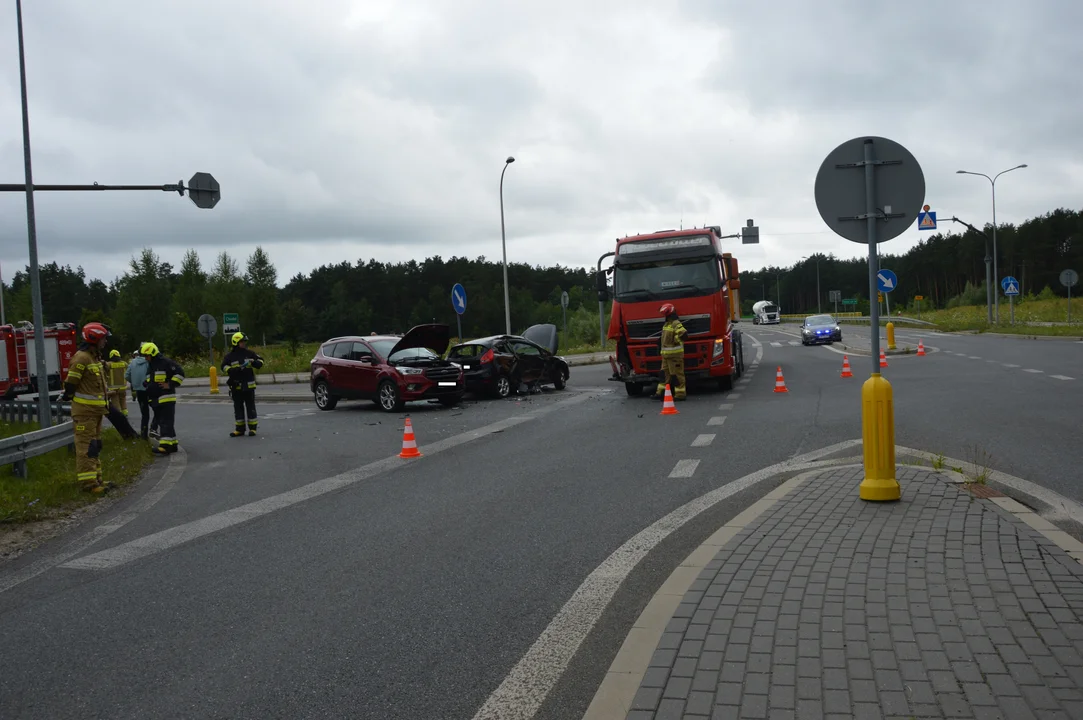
[[409, 370]]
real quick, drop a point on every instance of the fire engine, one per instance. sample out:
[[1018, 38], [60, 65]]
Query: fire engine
[[18, 361]]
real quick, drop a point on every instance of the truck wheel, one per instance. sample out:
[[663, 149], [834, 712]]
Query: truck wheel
[[725, 383], [633, 389]]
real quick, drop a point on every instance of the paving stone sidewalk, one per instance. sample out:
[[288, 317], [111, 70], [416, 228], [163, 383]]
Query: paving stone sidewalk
[[939, 606]]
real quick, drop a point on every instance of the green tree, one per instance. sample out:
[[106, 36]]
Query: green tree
[[184, 340], [293, 323], [143, 299], [190, 297], [261, 308], [225, 288]]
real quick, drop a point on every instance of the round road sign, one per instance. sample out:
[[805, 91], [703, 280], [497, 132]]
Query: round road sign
[[207, 325], [899, 187], [1068, 278]]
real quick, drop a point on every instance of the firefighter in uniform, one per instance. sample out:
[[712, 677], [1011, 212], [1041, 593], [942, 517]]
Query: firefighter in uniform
[[118, 385], [673, 333], [240, 364], [87, 389], [164, 375]]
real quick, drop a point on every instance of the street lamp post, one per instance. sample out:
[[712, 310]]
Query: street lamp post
[[504, 248], [817, 259], [993, 186]]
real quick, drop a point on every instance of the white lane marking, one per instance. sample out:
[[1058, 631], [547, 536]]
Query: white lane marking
[[703, 440], [1029, 370], [177, 463], [725, 406], [1009, 365], [776, 344], [684, 469], [733, 395], [794, 343], [180, 534], [974, 357], [717, 420], [1061, 377], [525, 688]]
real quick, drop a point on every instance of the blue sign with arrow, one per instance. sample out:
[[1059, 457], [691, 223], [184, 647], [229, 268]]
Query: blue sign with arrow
[[886, 281], [1010, 286], [458, 298]]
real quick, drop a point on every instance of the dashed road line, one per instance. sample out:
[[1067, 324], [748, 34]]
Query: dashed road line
[[1009, 365], [703, 440], [717, 420], [725, 406], [794, 343], [974, 357], [1061, 377], [733, 395], [684, 469], [1031, 370], [776, 344]]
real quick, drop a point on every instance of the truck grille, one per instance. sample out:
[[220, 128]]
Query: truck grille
[[645, 329], [442, 373]]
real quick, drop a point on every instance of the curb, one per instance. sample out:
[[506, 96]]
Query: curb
[[617, 690]]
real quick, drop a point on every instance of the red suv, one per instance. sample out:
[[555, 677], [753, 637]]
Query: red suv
[[388, 370]]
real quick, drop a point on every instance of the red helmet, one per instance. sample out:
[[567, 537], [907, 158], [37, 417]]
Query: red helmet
[[94, 332], [667, 310]]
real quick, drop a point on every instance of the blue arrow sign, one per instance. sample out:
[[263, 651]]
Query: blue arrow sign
[[458, 298], [1010, 286], [886, 280]]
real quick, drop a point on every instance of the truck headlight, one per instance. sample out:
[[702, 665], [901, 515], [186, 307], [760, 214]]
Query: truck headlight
[[719, 346]]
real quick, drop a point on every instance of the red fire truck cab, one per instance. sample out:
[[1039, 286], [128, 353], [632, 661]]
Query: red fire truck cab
[[18, 360], [686, 268]]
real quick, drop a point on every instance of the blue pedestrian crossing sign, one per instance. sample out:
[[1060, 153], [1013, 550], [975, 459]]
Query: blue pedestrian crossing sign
[[886, 280], [1010, 286], [458, 298], [927, 220]]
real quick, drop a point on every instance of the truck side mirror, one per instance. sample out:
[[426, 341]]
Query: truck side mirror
[[601, 286], [735, 284]]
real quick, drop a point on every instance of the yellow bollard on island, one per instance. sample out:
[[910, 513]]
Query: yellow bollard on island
[[214, 380], [891, 336], [878, 440]]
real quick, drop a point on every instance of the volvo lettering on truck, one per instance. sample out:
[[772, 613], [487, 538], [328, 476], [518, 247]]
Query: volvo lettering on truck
[[688, 269]]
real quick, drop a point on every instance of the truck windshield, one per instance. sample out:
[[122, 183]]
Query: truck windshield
[[666, 279]]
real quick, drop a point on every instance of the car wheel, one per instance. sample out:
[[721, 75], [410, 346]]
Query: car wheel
[[502, 387], [633, 389], [324, 399], [561, 380], [389, 398], [451, 400]]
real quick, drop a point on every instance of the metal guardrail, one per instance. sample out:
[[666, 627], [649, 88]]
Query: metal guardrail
[[20, 448], [27, 411]]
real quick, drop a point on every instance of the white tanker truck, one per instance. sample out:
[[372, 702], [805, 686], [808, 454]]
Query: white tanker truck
[[766, 312]]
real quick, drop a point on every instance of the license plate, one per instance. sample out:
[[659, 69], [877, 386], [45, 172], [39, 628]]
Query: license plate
[[448, 384]]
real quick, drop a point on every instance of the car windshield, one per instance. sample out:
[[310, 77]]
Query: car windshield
[[820, 320], [666, 279]]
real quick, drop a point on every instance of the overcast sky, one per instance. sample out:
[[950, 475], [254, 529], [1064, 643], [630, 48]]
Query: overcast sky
[[344, 129]]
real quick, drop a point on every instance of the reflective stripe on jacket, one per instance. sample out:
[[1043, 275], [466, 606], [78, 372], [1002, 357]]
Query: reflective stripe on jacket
[[240, 364], [86, 373], [673, 338], [163, 370], [117, 370]]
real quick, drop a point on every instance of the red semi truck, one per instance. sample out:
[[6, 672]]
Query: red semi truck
[[18, 363], [689, 269]]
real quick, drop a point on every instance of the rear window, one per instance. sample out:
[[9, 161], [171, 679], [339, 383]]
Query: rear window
[[467, 351]]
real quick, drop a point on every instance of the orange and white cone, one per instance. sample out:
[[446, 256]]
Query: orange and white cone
[[883, 358], [668, 408], [921, 348], [409, 444], [846, 367], [780, 382]]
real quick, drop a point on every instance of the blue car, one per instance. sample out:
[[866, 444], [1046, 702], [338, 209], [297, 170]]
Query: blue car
[[820, 329]]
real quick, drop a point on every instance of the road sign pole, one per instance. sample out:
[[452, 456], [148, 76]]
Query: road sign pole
[[870, 220], [459, 325]]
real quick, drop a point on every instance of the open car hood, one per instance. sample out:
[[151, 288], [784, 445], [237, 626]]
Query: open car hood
[[544, 335], [434, 337]]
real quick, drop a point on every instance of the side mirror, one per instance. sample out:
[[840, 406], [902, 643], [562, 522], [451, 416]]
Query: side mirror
[[367, 359], [735, 284], [601, 286]]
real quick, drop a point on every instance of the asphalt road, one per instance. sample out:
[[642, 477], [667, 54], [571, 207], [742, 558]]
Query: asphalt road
[[373, 587]]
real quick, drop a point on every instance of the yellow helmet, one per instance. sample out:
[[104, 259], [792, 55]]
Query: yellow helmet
[[238, 337], [114, 354], [149, 349]]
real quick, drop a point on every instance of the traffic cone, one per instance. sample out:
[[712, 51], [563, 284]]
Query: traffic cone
[[668, 408], [846, 367], [921, 348], [780, 382], [409, 444], [883, 358]]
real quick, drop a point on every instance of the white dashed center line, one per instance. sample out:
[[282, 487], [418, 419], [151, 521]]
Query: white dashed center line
[[1060, 377], [725, 406], [684, 469], [717, 420], [733, 395], [975, 357], [1032, 371], [703, 440], [1009, 365]]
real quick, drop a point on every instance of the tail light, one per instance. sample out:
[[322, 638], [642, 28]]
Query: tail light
[[487, 357]]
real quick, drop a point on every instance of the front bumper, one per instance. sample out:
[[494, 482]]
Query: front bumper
[[422, 388]]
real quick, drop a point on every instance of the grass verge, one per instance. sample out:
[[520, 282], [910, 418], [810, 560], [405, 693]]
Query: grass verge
[[51, 484]]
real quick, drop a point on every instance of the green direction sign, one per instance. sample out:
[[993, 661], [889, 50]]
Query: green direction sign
[[849, 301], [231, 323]]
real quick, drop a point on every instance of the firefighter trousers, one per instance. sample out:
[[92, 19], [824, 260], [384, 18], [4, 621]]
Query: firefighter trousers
[[87, 423], [165, 416], [244, 402], [119, 399], [144, 412], [673, 367]]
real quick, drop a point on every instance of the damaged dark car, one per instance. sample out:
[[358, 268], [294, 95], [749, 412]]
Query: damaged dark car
[[503, 365]]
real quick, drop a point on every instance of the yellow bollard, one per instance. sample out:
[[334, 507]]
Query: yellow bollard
[[878, 440], [891, 336], [214, 380]]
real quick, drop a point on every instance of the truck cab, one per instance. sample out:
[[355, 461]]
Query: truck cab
[[686, 268], [766, 312]]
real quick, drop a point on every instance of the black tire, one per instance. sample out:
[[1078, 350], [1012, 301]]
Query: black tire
[[502, 388], [388, 397], [451, 400], [633, 389], [324, 399], [561, 380]]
